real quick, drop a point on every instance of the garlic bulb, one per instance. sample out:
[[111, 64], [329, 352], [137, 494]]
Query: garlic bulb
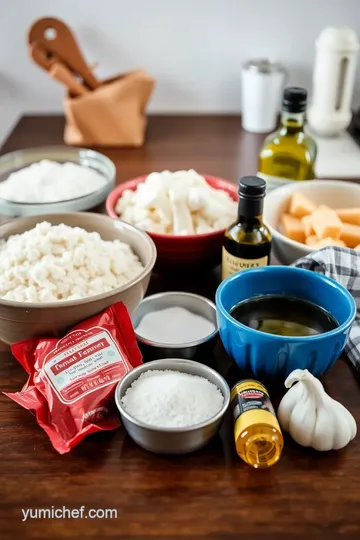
[[312, 417]]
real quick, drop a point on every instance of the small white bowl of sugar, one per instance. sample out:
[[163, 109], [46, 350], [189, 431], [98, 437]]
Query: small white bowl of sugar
[[175, 324], [172, 406]]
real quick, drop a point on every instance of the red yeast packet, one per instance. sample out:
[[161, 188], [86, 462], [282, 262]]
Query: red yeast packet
[[72, 380]]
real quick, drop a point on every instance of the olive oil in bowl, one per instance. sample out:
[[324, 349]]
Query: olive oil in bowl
[[284, 316]]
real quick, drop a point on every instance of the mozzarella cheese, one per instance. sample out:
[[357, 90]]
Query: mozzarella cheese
[[179, 203]]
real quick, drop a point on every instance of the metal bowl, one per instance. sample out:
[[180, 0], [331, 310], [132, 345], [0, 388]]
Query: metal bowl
[[190, 350], [172, 440], [14, 161]]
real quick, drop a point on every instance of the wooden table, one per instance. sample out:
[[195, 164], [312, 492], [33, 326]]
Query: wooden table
[[211, 493]]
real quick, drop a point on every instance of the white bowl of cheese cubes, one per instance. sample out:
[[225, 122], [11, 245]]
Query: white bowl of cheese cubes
[[307, 216]]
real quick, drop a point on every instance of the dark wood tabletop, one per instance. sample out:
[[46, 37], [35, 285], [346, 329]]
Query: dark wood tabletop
[[208, 494]]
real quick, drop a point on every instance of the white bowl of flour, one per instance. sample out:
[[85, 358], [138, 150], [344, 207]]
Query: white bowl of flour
[[53, 179]]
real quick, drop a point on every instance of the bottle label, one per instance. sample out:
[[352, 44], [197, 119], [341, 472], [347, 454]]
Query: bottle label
[[251, 405], [232, 264], [274, 182]]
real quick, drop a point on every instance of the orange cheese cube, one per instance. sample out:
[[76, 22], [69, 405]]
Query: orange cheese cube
[[301, 206], [349, 215], [311, 240], [325, 242], [293, 228], [350, 234], [326, 223], [308, 228]]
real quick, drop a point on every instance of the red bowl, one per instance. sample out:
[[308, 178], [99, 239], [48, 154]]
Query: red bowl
[[178, 252]]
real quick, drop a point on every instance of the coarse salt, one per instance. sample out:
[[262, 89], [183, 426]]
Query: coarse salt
[[174, 325], [172, 399], [48, 181]]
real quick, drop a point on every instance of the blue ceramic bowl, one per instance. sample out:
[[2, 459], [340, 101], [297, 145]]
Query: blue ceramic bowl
[[268, 355]]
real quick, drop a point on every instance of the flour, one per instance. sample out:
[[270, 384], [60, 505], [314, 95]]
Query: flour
[[49, 181], [174, 325], [172, 399]]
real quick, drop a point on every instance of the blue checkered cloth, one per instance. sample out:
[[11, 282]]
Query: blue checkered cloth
[[342, 265]]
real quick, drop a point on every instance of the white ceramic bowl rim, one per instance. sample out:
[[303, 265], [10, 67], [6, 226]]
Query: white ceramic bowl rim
[[147, 366]]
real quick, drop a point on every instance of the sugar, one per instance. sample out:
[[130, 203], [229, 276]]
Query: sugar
[[172, 399], [174, 325], [49, 181]]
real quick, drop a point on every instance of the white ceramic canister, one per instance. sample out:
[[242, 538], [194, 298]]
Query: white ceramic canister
[[262, 88], [333, 80]]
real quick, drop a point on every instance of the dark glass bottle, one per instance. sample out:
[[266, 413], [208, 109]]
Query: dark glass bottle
[[247, 243]]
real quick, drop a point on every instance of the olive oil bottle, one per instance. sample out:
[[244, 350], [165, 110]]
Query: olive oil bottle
[[289, 153], [258, 438], [247, 243]]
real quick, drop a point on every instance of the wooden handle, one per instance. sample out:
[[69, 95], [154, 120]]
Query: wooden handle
[[62, 74], [56, 39], [38, 54]]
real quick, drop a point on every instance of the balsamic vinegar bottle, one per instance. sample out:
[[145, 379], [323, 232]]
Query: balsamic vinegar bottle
[[247, 243]]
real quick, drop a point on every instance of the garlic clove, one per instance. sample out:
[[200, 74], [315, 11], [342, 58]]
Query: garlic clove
[[346, 428], [312, 417], [302, 422], [296, 376], [322, 438], [299, 422], [287, 403]]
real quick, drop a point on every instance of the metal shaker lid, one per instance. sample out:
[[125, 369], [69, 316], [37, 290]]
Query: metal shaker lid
[[263, 65]]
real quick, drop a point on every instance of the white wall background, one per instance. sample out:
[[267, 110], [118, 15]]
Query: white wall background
[[194, 48]]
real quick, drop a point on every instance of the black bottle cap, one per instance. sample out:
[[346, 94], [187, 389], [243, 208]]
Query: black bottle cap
[[252, 187], [294, 99]]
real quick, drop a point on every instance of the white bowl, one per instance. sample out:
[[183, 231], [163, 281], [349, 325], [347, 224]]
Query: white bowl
[[332, 193]]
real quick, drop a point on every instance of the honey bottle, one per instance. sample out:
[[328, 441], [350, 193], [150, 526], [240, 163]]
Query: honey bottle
[[258, 438]]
